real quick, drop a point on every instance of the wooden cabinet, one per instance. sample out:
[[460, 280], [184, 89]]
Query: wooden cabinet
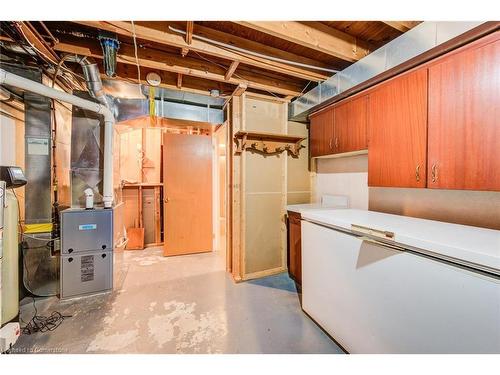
[[294, 254], [321, 133], [464, 119], [349, 131], [437, 126], [340, 129], [397, 132]]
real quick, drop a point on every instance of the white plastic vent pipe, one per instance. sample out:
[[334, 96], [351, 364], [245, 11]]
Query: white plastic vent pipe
[[109, 121]]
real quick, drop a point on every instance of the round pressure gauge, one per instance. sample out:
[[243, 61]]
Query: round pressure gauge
[[153, 78]]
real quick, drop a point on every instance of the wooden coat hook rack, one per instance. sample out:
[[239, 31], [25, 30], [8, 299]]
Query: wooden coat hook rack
[[267, 143]]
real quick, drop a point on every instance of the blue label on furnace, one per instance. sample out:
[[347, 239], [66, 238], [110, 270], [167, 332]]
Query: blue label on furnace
[[87, 227]]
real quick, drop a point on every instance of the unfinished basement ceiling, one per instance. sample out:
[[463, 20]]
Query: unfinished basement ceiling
[[184, 62]]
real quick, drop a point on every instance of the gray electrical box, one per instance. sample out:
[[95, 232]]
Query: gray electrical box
[[86, 251]]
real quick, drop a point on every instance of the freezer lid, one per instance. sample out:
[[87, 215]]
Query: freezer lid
[[478, 247]]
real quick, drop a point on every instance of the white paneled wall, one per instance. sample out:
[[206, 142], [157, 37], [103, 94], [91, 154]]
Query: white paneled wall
[[351, 184]]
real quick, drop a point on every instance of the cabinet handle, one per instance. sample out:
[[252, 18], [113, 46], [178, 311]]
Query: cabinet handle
[[330, 143], [434, 173], [417, 173], [336, 142]]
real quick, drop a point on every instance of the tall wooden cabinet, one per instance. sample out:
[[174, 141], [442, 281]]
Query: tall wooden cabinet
[[464, 119], [397, 132]]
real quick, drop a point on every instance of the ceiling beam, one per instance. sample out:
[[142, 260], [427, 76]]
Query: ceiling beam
[[164, 61], [158, 32], [314, 35], [231, 39], [129, 74], [402, 26], [231, 70]]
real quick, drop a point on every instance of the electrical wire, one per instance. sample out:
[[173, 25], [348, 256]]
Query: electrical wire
[[50, 60], [136, 57], [37, 323], [252, 53], [234, 74]]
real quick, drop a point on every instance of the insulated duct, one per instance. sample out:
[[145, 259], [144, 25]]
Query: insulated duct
[[368, 70]]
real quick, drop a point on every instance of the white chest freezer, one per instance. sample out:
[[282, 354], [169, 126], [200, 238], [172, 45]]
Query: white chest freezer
[[380, 283]]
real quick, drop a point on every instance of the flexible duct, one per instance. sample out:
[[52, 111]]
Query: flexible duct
[[102, 109]]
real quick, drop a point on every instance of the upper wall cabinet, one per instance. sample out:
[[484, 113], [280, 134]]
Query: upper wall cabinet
[[321, 133], [397, 132], [340, 129], [350, 125], [464, 118]]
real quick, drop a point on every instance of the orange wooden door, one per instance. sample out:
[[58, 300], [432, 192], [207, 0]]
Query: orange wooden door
[[397, 132], [187, 179], [464, 119]]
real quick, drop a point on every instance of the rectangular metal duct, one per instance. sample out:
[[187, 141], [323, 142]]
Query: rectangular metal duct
[[38, 151], [130, 101], [416, 41], [87, 162]]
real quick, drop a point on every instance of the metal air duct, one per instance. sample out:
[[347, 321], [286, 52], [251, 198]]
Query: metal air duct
[[409, 45]]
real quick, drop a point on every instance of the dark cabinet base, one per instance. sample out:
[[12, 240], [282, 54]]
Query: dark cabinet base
[[294, 249]]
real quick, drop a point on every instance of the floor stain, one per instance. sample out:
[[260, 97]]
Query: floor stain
[[113, 342], [187, 329]]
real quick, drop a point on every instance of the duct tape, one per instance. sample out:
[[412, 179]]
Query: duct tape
[[38, 228]]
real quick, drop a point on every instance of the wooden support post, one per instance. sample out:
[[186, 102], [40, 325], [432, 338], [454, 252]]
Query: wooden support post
[[189, 31], [237, 240], [240, 89]]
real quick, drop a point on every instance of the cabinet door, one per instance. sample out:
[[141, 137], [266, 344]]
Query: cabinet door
[[350, 126], [316, 130], [397, 132], [464, 119], [321, 133], [295, 253]]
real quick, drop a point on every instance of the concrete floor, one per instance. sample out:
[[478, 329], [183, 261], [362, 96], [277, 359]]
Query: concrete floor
[[185, 304]]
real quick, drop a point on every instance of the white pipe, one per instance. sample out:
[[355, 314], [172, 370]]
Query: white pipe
[[109, 121], [253, 53]]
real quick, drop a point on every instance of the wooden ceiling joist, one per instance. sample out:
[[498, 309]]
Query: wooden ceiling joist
[[314, 35], [159, 33], [250, 45], [231, 70], [163, 61], [402, 26], [129, 74]]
